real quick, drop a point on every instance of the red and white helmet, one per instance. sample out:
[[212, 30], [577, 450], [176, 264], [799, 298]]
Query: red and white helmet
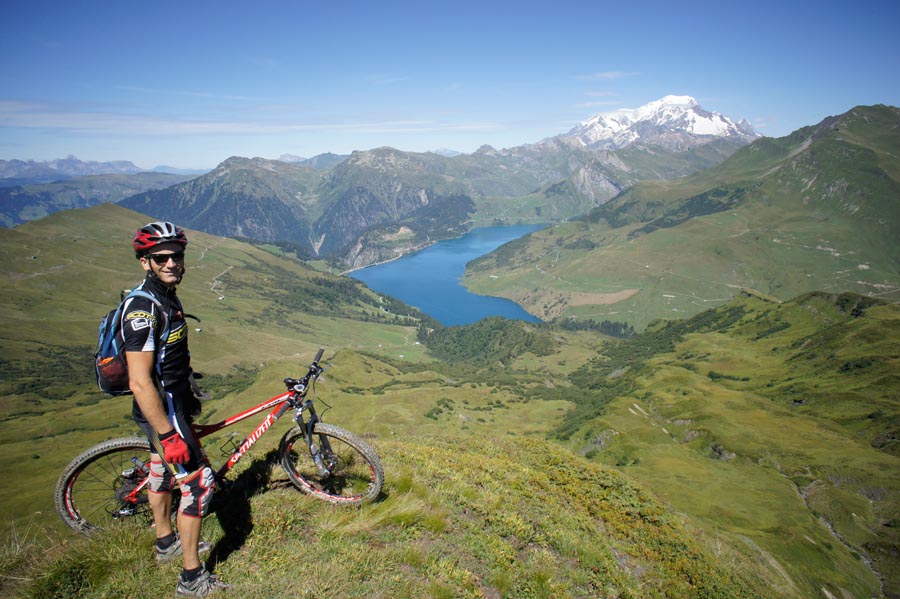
[[154, 234]]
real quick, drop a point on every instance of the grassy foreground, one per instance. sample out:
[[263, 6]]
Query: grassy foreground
[[511, 517]]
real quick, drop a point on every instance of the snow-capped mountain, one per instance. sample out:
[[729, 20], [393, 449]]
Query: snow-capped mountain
[[674, 122]]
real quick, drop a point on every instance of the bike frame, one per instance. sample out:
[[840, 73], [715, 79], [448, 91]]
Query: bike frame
[[294, 397], [281, 403]]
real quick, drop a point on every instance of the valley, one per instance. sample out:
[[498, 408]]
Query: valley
[[738, 438], [765, 430]]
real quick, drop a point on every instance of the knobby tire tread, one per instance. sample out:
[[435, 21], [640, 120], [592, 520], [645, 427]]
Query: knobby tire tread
[[75, 468], [296, 440]]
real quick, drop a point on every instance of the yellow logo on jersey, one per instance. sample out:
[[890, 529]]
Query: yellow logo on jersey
[[140, 314], [140, 320], [176, 336]]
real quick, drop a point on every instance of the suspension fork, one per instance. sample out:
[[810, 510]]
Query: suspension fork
[[315, 451]]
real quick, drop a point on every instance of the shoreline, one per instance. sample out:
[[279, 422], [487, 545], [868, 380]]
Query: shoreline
[[431, 242], [402, 255], [432, 283]]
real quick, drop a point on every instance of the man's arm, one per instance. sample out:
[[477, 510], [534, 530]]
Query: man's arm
[[146, 393], [140, 367]]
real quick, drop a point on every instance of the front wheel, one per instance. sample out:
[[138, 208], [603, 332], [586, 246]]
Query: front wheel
[[348, 471], [106, 483]]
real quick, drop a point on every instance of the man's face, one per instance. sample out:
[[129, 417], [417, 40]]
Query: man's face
[[167, 261]]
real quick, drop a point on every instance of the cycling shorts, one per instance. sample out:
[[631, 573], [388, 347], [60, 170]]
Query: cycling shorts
[[196, 493]]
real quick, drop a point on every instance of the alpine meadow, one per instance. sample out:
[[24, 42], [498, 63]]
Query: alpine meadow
[[710, 407]]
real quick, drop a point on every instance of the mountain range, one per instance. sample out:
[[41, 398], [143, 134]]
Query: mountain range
[[22, 203], [816, 210], [681, 191], [373, 205], [17, 172]]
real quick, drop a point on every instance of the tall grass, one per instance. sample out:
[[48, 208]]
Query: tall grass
[[459, 518]]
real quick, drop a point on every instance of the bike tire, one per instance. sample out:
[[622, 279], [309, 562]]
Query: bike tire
[[90, 490], [356, 474]]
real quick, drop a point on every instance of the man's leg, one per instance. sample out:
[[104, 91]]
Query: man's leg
[[196, 493], [189, 529], [160, 497]]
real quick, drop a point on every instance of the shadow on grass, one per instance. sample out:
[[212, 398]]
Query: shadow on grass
[[232, 507]]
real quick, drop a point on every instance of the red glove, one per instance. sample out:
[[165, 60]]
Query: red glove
[[175, 450]]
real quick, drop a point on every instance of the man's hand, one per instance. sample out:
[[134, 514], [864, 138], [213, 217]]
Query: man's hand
[[175, 449]]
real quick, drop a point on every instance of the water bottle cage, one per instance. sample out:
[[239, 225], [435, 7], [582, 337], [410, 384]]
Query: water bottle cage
[[229, 446]]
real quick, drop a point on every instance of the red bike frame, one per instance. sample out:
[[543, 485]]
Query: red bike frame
[[280, 405]]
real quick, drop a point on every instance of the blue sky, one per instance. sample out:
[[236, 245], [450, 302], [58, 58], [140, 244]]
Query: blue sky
[[189, 84]]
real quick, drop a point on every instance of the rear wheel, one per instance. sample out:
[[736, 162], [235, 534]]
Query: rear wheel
[[105, 484], [350, 472]]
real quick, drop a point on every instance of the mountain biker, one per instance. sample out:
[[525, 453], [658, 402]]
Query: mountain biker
[[164, 404]]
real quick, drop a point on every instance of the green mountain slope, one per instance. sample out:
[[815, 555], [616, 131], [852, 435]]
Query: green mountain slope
[[749, 451], [266, 200], [819, 209], [772, 423]]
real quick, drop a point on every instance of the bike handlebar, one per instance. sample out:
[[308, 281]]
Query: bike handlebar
[[314, 371]]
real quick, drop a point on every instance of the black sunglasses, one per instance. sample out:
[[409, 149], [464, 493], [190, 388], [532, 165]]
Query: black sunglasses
[[162, 259]]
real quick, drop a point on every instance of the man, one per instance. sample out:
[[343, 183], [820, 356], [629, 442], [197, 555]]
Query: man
[[164, 403]]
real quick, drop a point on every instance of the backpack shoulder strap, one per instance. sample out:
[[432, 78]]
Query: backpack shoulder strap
[[165, 317], [164, 335]]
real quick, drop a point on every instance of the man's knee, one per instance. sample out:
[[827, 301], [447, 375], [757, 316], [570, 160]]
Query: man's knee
[[160, 477], [196, 493]]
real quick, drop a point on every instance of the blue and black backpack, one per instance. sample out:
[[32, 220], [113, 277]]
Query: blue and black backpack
[[109, 359]]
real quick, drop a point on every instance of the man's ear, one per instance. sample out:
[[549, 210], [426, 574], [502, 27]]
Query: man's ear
[[145, 263]]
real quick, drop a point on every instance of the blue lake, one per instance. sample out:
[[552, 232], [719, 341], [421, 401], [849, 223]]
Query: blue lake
[[430, 279]]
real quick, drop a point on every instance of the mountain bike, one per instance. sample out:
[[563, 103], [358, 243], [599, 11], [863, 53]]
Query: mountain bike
[[109, 482]]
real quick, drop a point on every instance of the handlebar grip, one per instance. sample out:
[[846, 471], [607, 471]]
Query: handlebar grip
[[319, 355]]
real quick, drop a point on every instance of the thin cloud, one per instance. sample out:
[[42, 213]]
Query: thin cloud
[[190, 94], [596, 104], [33, 116], [761, 123], [606, 75], [50, 44], [385, 79], [268, 64]]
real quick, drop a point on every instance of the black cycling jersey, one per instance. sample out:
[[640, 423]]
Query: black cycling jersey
[[142, 327]]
